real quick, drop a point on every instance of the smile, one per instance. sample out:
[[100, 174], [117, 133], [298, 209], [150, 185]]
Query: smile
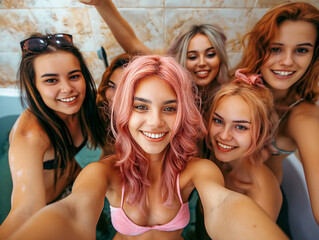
[[70, 99], [283, 73], [202, 73], [153, 135], [224, 146]]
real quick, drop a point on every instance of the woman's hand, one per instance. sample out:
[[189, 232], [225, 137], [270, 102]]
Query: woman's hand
[[90, 2]]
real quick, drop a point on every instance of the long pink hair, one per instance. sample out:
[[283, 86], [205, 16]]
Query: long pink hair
[[188, 127]]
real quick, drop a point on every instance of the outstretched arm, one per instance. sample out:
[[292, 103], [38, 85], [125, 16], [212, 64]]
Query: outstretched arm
[[227, 214], [120, 28], [74, 217]]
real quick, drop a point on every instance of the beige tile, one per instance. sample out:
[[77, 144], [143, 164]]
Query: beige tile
[[139, 3], [156, 23], [209, 3], [226, 18], [9, 63]]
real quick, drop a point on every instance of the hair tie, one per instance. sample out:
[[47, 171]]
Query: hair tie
[[251, 79]]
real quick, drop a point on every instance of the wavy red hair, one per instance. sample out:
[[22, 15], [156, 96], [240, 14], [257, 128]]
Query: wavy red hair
[[256, 46]]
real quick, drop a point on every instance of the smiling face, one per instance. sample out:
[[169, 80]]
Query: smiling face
[[153, 115], [231, 130], [112, 84], [202, 61], [291, 52], [60, 82]]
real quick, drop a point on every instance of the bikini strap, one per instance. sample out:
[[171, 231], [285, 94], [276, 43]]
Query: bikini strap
[[122, 197], [178, 190], [289, 108]]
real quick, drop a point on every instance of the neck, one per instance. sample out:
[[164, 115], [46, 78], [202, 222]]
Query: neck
[[280, 95], [155, 171]]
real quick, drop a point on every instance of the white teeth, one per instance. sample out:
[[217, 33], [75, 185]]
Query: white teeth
[[283, 73], [67, 99], [224, 146], [152, 135], [202, 73]]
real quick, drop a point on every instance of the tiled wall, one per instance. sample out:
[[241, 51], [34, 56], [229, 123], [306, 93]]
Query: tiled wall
[[155, 22]]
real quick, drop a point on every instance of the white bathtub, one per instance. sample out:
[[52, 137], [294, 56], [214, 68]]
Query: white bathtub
[[302, 223]]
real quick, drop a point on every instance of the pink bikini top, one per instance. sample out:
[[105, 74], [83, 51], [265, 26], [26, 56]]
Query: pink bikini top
[[125, 226]]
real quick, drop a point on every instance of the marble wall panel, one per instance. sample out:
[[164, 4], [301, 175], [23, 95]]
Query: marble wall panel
[[226, 18], [146, 22], [269, 4], [139, 3], [9, 62], [155, 22], [40, 3], [209, 3]]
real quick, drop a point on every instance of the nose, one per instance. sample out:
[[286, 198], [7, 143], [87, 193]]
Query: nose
[[156, 119], [225, 134], [202, 60], [286, 59], [65, 86]]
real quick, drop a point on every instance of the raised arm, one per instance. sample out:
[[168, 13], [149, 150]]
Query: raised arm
[[227, 214], [303, 126], [74, 217], [120, 28]]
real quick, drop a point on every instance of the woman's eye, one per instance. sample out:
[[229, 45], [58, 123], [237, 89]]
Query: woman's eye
[[170, 109], [51, 80], [302, 50], [218, 121], [191, 57], [140, 107], [240, 127], [211, 54], [110, 85], [276, 49], [74, 77]]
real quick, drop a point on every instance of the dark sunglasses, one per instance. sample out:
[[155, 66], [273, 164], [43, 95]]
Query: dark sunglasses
[[39, 44]]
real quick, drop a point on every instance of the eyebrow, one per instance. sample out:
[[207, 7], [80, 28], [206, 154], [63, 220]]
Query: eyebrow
[[235, 121], [300, 44], [149, 101], [211, 48], [55, 74], [110, 81]]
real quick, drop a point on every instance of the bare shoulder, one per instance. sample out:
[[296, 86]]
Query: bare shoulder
[[201, 163], [28, 127], [104, 165], [303, 121], [264, 175], [304, 112], [96, 176], [29, 142], [266, 183], [199, 169]]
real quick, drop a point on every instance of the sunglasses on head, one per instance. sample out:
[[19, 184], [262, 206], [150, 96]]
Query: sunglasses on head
[[39, 44]]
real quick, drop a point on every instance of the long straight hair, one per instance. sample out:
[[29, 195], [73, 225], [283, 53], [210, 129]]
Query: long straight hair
[[56, 129]]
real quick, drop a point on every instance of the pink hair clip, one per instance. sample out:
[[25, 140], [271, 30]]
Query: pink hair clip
[[252, 79]]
